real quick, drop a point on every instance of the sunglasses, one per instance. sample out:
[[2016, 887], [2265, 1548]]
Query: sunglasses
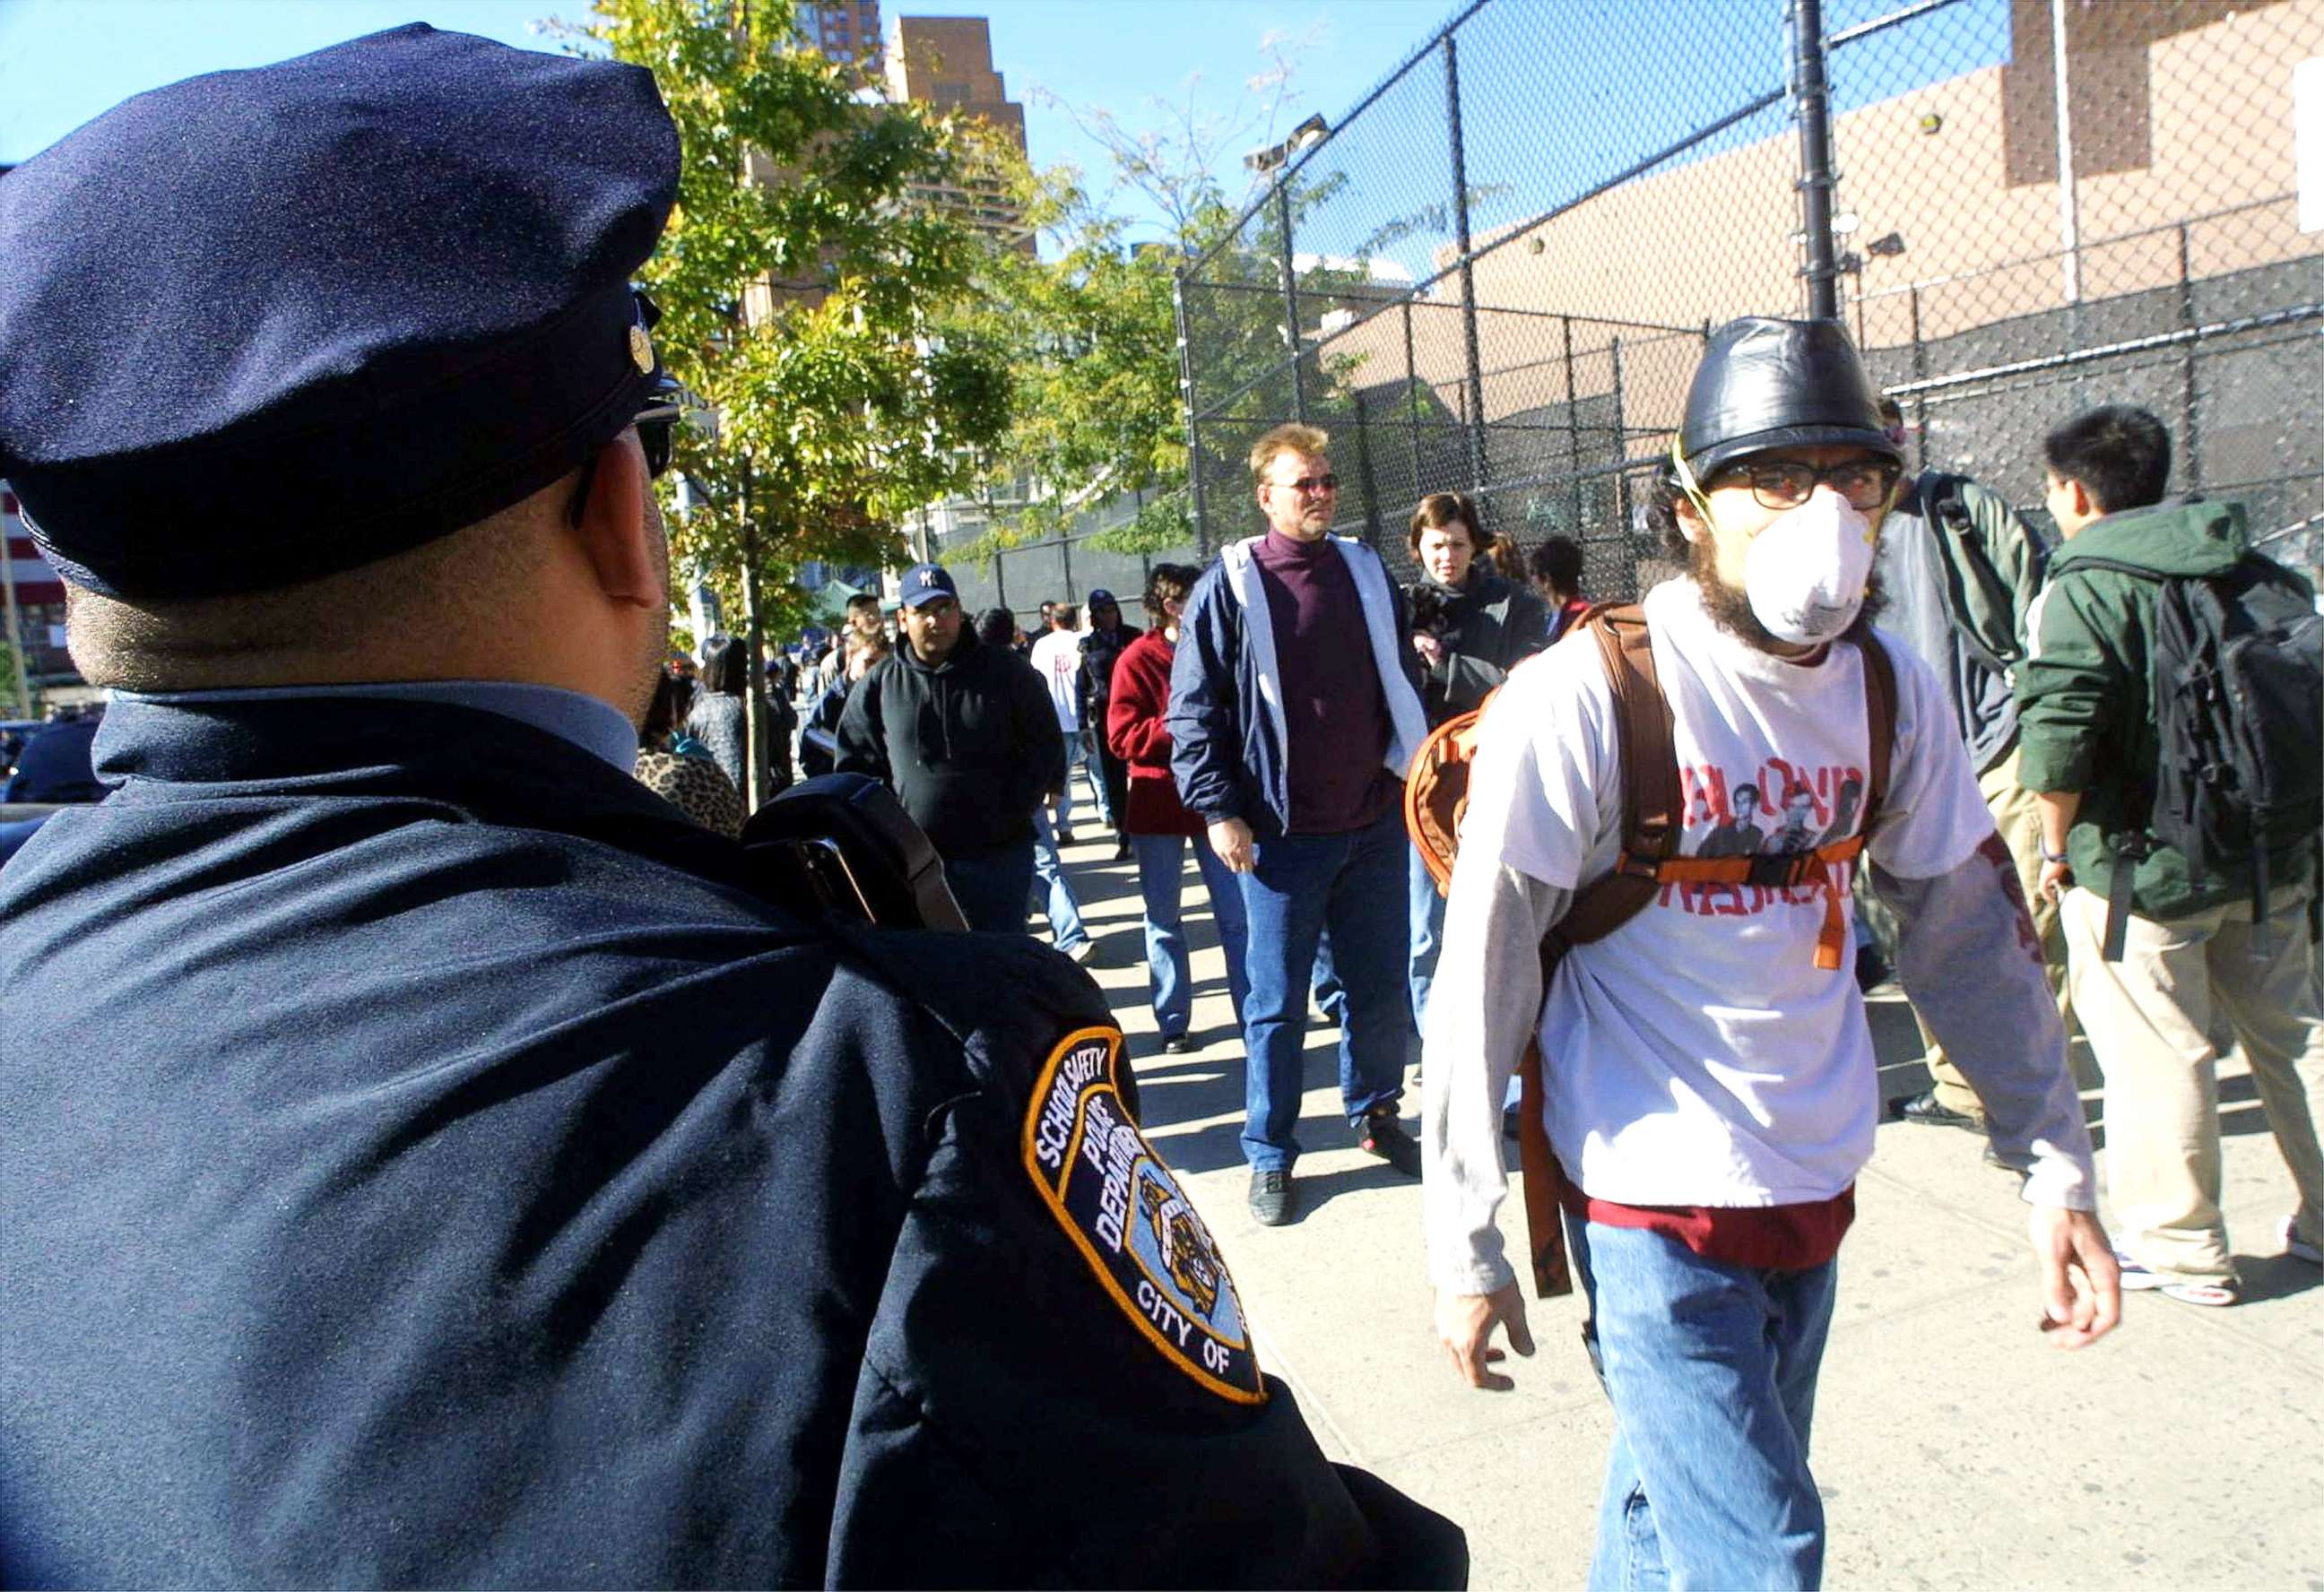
[[664, 404], [1309, 485]]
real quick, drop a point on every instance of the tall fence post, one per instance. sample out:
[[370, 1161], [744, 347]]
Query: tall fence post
[[1476, 368], [2070, 215], [1412, 400], [1573, 431], [2191, 435], [1194, 430], [1620, 450], [1811, 105], [1291, 300]]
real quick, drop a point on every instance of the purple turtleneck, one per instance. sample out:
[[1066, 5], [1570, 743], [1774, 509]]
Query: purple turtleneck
[[1334, 713]]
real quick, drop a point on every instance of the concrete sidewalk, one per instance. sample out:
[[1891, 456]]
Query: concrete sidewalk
[[1954, 1448]]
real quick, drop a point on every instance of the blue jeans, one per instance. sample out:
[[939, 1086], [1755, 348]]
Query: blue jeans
[[1066, 796], [1161, 870], [1094, 767], [1299, 886], [1056, 898], [1711, 1369], [991, 886], [1428, 923]]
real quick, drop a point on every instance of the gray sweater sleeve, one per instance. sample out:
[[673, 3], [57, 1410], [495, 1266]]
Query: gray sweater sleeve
[[1968, 958], [1482, 1011]]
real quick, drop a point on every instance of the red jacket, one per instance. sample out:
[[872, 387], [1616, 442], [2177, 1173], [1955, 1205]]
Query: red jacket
[[1135, 732]]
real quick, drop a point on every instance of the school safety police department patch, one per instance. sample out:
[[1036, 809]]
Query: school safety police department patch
[[1125, 1212]]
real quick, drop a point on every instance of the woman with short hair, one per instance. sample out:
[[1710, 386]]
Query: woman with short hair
[[1471, 626]]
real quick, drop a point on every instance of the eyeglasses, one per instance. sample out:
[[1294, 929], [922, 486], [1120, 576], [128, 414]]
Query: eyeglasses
[[1308, 485], [1865, 483]]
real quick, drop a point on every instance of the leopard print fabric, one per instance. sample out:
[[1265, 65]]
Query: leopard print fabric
[[695, 786]]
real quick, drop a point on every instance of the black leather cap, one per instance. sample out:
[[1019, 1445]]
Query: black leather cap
[[1778, 384]]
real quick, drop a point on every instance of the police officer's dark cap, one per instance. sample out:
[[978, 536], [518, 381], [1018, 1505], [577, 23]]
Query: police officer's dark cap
[[1765, 384], [263, 326]]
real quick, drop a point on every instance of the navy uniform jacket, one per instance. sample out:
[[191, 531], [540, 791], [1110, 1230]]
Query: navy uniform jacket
[[423, 1168]]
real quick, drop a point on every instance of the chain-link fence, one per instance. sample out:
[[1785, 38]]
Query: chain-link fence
[[1496, 273], [1064, 568]]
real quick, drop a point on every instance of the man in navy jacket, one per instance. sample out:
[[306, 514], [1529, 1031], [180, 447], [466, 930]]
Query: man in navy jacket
[[1294, 712], [430, 1160]]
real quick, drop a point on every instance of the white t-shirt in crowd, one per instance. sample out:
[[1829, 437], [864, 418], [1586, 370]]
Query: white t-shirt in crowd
[[1057, 657], [1697, 1055]]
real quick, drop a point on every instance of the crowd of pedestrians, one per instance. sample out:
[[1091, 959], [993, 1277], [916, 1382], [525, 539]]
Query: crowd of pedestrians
[[1954, 778], [485, 1106]]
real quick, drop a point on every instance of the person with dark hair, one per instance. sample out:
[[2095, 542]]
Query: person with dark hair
[[1157, 823], [1557, 576], [1472, 625], [966, 738], [678, 768], [819, 738], [1709, 1085], [1102, 648], [2190, 950], [717, 717], [1294, 710], [997, 628], [431, 1159], [859, 617], [1960, 570]]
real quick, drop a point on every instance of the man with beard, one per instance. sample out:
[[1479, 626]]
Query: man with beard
[[1708, 1076], [431, 1158]]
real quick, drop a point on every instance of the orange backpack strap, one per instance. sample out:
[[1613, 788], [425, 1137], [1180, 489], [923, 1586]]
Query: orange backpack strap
[[1647, 751]]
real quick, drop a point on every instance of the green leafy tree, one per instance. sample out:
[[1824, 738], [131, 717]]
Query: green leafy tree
[[801, 281]]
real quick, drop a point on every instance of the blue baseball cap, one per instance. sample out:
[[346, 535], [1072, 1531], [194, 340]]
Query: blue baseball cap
[[923, 582]]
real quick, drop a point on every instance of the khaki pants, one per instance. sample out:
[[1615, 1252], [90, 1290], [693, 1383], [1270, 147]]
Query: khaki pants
[[2018, 820], [2148, 1019]]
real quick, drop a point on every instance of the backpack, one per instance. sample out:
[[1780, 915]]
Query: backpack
[[2237, 677], [1436, 796], [1945, 500]]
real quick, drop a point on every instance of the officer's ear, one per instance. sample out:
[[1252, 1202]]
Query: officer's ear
[[618, 531]]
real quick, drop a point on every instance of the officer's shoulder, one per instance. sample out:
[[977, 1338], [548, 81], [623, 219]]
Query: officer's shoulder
[[1006, 999]]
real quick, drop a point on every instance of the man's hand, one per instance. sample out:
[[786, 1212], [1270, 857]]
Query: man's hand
[[2056, 878], [1464, 1326], [1231, 841], [1428, 647], [2081, 1285]]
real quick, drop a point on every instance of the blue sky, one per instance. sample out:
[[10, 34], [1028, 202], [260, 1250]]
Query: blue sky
[[62, 61]]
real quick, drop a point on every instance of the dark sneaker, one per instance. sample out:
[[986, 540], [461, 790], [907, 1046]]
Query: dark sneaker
[[1176, 1044], [1064, 837], [1383, 1136], [1270, 1198], [1922, 1108]]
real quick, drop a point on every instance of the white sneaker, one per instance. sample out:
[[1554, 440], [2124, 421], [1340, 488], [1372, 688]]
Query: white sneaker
[[2298, 1247]]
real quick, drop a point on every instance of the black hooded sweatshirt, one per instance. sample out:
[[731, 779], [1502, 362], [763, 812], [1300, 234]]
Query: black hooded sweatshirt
[[970, 745]]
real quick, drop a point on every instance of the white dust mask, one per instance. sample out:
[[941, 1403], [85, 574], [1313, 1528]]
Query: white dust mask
[[1806, 572]]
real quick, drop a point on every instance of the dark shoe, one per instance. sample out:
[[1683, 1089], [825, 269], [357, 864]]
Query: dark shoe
[[1064, 837], [1121, 851], [1176, 1044], [1995, 1159], [1270, 1198], [1383, 1136], [1922, 1108]]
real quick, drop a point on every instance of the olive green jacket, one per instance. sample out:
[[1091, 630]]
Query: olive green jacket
[[2085, 697]]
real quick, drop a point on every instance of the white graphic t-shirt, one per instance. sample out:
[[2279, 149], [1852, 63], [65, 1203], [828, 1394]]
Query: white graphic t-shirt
[[1697, 1055], [1058, 659]]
